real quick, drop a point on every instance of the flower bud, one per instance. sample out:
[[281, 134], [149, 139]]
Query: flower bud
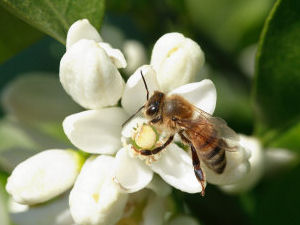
[[81, 29], [89, 76], [256, 161], [115, 55], [95, 198], [44, 176], [176, 59]]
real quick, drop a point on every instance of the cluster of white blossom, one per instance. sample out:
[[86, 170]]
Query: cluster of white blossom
[[110, 183]]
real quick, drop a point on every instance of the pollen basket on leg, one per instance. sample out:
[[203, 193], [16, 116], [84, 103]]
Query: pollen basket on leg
[[145, 138]]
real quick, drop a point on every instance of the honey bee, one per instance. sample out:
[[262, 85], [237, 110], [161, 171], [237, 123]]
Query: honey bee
[[208, 137]]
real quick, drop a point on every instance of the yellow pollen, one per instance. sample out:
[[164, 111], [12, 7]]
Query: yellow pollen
[[96, 197], [145, 137], [172, 51]]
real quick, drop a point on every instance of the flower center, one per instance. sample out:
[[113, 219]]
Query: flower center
[[145, 137]]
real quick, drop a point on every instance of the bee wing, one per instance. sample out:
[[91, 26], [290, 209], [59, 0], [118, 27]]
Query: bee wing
[[220, 127]]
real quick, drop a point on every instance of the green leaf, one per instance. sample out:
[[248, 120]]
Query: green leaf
[[276, 89], [231, 24], [15, 35], [54, 17]]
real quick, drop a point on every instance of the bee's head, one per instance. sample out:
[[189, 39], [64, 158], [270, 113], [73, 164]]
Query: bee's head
[[154, 104]]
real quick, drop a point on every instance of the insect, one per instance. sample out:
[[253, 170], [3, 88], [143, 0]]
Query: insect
[[208, 137]]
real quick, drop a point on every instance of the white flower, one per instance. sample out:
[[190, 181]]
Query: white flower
[[256, 166], [88, 70], [95, 198], [175, 165], [176, 59], [44, 176]]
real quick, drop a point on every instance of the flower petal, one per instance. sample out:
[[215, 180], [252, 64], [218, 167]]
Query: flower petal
[[89, 76], [95, 198], [81, 29], [115, 55], [96, 131], [201, 94], [135, 94], [176, 168], [176, 59], [37, 97], [237, 167], [256, 167], [44, 176], [132, 173]]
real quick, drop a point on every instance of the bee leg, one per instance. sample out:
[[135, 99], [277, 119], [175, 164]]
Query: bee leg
[[197, 169], [196, 163], [157, 149]]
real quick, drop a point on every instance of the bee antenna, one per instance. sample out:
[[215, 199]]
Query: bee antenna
[[145, 85], [133, 115]]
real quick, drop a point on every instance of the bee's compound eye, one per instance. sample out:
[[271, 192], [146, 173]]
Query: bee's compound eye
[[152, 110]]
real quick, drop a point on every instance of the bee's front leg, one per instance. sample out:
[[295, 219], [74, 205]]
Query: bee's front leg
[[157, 149]]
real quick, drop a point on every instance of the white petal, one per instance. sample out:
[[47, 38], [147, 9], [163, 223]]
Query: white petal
[[201, 94], [237, 167], [82, 29], [176, 60], [37, 97], [44, 176], [256, 166], [89, 76], [95, 198], [154, 211], [15, 207], [52, 213], [183, 220], [115, 55], [132, 173], [96, 131], [135, 94], [135, 54], [176, 168]]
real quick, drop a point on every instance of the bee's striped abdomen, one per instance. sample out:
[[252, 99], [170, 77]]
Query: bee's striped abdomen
[[214, 155]]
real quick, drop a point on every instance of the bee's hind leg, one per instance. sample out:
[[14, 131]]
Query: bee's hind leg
[[197, 169], [196, 163]]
